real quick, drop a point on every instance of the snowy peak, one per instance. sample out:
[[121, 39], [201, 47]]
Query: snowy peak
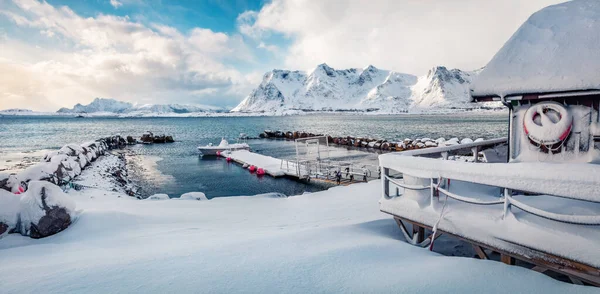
[[99, 105], [368, 74], [366, 89], [112, 106], [443, 88]]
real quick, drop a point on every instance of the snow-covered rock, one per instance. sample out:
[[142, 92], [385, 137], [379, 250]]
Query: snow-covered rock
[[112, 107], [367, 89], [44, 210], [193, 196], [158, 197], [9, 211], [466, 141], [557, 49]]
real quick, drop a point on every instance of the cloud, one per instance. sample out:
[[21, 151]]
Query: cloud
[[113, 56], [403, 35], [116, 4], [270, 48]]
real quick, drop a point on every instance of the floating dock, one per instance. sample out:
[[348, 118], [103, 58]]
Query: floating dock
[[322, 171]]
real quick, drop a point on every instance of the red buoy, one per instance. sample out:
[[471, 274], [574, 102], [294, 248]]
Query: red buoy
[[260, 171], [252, 168], [228, 159]]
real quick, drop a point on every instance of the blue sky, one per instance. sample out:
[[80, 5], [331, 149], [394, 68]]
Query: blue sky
[[57, 53]]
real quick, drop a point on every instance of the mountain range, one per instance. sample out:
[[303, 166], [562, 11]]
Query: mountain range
[[369, 89], [324, 89], [111, 106]]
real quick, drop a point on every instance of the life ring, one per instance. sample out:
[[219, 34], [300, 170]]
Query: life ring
[[545, 131]]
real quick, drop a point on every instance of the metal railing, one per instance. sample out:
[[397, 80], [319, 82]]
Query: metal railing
[[586, 178]]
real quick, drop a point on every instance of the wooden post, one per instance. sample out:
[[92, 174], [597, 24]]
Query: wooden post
[[419, 230], [480, 252], [507, 259]]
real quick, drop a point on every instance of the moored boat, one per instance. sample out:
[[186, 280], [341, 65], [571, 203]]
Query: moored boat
[[212, 150]]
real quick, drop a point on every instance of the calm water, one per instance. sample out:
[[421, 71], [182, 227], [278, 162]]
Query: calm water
[[182, 170]]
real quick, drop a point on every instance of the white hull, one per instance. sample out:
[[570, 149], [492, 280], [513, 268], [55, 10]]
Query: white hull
[[212, 150]]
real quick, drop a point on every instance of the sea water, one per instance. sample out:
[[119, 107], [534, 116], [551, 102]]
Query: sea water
[[177, 168]]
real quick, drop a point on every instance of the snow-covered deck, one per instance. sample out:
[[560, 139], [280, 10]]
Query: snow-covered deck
[[274, 167], [559, 225]]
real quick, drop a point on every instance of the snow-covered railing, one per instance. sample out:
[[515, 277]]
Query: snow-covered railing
[[445, 151], [571, 181]]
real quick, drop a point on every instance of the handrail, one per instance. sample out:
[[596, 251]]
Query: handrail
[[407, 186], [522, 176], [564, 218], [468, 200], [581, 183], [442, 149]]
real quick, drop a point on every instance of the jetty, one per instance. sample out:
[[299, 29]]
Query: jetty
[[312, 163]]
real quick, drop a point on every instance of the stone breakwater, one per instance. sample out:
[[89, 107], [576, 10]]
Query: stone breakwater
[[370, 143], [32, 202]]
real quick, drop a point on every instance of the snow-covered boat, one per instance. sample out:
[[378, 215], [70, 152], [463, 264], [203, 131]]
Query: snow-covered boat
[[213, 150], [541, 203]]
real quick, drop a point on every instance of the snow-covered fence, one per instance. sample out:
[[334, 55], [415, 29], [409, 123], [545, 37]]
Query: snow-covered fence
[[426, 178]]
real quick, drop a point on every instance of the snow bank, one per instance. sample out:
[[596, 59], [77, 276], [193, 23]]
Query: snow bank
[[193, 196], [556, 49]]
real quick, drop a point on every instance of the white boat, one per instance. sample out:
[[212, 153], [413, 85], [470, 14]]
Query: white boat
[[212, 150]]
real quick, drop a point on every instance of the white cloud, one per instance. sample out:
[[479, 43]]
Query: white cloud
[[115, 57], [270, 48], [116, 4], [403, 35]]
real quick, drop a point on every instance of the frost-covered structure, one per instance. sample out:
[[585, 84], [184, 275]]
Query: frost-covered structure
[[540, 203], [547, 74]]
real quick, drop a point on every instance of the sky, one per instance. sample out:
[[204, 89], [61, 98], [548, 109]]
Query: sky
[[57, 53]]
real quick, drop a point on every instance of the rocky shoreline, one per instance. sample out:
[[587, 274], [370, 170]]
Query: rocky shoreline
[[370, 143], [33, 201]]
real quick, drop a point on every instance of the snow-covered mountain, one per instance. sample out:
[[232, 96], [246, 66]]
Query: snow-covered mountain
[[111, 106], [16, 111], [443, 88], [367, 89]]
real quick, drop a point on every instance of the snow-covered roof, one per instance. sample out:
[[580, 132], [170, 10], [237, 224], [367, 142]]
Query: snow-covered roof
[[556, 50]]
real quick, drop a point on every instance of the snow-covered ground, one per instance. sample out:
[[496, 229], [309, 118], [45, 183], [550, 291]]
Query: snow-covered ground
[[331, 241]]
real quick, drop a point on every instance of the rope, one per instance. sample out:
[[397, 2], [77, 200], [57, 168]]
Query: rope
[[435, 227]]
